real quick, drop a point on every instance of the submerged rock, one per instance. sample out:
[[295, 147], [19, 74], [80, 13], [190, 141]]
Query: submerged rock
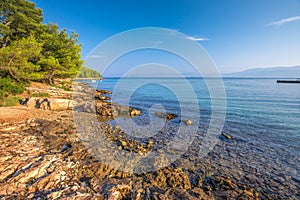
[[226, 135], [166, 116], [187, 122], [103, 91]]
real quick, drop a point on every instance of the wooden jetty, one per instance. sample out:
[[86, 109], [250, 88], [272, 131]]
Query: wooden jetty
[[288, 81]]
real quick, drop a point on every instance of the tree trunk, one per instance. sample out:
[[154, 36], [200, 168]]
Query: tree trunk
[[5, 41], [49, 77], [11, 73]]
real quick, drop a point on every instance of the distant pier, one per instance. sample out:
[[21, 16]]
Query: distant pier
[[288, 81]]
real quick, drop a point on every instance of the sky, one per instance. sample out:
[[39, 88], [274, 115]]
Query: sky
[[237, 35]]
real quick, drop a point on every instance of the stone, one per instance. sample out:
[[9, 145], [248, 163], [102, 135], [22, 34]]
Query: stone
[[135, 112], [60, 104], [103, 91], [187, 122], [101, 97], [166, 116], [226, 136], [31, 102]]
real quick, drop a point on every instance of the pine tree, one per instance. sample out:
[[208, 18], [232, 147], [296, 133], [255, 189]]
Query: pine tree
[[17, 59], [18, 19]]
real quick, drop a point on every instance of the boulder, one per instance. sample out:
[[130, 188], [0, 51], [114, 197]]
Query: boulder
[[54, 104], [31, 102], [135, 112], [101, 97]]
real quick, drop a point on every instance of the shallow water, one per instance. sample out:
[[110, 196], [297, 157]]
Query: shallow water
[[262, 116]]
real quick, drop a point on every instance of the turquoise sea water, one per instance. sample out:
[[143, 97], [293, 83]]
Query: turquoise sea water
[[263, 116], [258, 102]]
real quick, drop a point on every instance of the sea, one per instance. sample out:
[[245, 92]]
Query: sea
[[261, 116]]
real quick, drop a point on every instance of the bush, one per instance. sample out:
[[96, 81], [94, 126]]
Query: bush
[[8, 90], [65, 88], [10, 101], [11, 87]]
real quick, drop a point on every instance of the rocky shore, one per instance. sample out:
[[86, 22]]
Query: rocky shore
[[43, 157]]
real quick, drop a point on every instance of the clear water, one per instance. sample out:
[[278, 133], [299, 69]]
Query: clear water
[[263, 116]]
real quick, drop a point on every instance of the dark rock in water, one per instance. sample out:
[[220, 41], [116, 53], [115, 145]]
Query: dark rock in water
[[103, 91], [166, 116], [226, 135], [101, 97]]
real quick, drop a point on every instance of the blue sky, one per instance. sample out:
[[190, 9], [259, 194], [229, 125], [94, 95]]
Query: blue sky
[[236, 34]]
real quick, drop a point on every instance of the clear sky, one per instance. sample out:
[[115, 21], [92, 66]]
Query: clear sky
[[237, 34]]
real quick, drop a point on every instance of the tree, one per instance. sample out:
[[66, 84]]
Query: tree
[[17, 59], [18, 19], [85, 72], [61, 56], [30, 50]]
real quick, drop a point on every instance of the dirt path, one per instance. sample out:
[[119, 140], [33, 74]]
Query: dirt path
[[18, 114]]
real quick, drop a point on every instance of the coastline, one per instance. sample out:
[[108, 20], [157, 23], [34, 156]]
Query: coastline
[[82, 79], [51, 161]]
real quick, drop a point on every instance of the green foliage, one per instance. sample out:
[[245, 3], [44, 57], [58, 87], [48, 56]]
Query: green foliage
[[40, 94], [30, 50], [16, 59], [18, 19], [61, 56], [8, 88], [85, 72], [11, 87], [62, 87], [10, 101]]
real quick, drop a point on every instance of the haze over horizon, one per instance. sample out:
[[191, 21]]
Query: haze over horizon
[[237, 35]]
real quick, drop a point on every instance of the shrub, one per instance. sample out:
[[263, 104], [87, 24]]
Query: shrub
[[8, 90], [10, 101], [9, 86]]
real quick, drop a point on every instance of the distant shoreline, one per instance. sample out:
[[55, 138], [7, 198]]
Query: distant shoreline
[[141, 77], [78, 79]]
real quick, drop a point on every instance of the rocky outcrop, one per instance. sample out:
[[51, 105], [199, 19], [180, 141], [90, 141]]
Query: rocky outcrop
[[103, 92], [101, 104], [48, 103], [44, 158], [116, 135]]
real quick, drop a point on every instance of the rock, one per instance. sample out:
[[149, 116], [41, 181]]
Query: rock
[[135, 112], [45, 105], [226, 135], [103, 91], [66, 147], [48, 104], [60, 104], [187, 122], [31, 102], [166, 116], [101, 97]]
